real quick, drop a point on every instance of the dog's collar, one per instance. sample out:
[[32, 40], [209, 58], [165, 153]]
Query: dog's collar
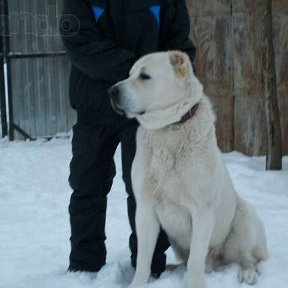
[[189, 114]]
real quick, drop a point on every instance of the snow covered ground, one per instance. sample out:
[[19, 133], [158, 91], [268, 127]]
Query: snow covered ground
[[34, 224]]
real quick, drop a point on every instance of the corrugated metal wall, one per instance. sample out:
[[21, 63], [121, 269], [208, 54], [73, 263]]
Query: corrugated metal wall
[[39, 68], [228, 64]]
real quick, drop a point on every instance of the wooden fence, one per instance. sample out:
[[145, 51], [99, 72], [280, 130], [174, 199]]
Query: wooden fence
[[229, 65]]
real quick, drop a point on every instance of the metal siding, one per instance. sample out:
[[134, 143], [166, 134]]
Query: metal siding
[[39, 84], [40, 102], [3, 110], [34, 37]]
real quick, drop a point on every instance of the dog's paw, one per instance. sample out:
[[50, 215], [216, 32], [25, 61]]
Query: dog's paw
[[249, 276]]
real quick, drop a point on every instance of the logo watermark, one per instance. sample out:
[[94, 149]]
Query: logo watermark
[[50, 24]]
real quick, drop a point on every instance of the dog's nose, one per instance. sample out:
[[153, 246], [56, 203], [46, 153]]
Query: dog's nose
[[114, 92]]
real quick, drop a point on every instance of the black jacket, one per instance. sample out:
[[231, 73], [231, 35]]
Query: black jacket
[[105, 37]]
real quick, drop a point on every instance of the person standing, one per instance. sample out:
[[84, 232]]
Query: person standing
[[103, 39]]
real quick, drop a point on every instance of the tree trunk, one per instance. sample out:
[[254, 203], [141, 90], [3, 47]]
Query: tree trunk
[[274, 146]]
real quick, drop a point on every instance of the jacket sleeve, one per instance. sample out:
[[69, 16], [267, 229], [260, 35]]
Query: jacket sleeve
[[178, 33], [89, 50]]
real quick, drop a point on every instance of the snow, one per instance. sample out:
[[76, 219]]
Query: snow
[[34, 223]]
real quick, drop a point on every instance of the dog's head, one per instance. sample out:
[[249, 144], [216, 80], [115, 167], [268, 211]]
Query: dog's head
[[160, 89]]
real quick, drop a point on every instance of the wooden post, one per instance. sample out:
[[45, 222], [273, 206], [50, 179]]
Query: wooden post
[[274, 146]]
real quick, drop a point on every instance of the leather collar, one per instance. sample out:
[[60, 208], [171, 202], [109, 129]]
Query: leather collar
[[189, 114]]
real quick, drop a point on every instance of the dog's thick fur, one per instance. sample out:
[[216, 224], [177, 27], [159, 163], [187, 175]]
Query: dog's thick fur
[[179, 177]]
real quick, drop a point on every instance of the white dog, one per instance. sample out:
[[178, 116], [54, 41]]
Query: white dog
[[179, 178]]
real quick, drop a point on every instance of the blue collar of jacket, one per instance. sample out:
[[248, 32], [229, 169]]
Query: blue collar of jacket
[[133, 4]]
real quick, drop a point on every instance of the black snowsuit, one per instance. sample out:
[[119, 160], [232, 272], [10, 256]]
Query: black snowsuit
[[103, 39]]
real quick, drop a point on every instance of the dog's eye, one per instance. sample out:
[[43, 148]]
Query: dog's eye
[[144, 76]]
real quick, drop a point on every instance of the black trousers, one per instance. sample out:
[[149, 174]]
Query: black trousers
[[92, 170]]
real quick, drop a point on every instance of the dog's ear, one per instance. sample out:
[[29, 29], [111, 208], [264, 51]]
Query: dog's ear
[[180, 62]]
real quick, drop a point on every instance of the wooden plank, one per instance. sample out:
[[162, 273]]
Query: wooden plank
[[250, 136], [249, 124], [223, 108], [249, 114], [248, 75], [246, 7], [280, 6], [214, 68], [207, 7], [280, 25]]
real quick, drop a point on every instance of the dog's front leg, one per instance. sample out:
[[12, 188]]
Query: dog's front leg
[[202, 226], [147, 228]]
